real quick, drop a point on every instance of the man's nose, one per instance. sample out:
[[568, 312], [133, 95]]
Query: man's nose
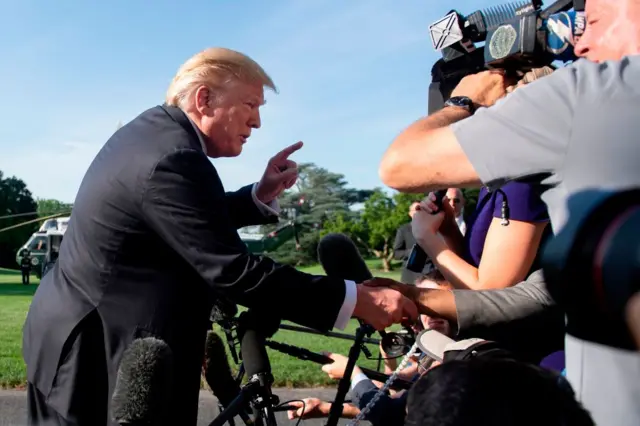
[[581, 48], [255, 120]]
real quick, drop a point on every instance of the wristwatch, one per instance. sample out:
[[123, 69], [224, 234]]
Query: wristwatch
[[461, 102]]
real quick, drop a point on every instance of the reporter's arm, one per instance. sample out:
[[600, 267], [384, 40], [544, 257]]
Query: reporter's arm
[[507, 256], [420, 158], [525, 316], [524, 134]]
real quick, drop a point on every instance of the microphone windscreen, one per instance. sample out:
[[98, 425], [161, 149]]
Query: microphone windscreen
[[217, 371], [340, 258], [144, 383], [254, 353]]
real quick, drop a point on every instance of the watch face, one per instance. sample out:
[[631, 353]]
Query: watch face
[[460, 101]]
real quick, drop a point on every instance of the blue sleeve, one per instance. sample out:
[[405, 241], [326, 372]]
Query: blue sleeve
[[524, 202]]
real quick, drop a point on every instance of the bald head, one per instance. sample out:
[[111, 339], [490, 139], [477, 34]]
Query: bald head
[[456, 200]]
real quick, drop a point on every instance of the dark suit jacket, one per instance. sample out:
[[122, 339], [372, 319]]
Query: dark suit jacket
[[151, 242], [402, 246]]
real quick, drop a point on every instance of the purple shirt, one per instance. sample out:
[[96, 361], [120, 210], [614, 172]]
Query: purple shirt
[[524, 204]]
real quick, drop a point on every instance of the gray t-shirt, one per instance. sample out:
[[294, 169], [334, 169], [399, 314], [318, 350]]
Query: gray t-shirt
[[576, 130]]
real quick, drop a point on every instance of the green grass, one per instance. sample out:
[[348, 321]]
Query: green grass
[[290, 372]]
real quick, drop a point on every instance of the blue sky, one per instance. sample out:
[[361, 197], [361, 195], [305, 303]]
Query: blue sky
[[351, 74]]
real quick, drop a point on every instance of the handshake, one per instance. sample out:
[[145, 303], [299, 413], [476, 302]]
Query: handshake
[[382, 302]]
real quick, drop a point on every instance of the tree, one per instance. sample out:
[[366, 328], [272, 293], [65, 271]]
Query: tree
[[374, 229], [471, 200], [317, 195], [15, 199], [48, 207]]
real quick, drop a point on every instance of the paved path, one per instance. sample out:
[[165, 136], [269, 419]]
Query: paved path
[[13, 405]]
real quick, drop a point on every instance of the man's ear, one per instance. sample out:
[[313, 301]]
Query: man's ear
[[204, 101]]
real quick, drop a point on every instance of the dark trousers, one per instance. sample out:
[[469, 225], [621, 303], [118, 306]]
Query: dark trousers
[[39, 413], [80, 390], [25, 275]]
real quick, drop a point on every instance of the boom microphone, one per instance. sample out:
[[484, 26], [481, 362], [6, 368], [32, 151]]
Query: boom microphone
[[217, 373], [143, 385], [340, 258]]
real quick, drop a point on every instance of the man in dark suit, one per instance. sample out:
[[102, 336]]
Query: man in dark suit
[[402, 246], [153, 242]]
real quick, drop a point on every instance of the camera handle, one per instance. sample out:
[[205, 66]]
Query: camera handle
[[362, 332]]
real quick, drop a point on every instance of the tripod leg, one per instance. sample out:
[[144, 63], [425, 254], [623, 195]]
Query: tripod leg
[[343, 385]]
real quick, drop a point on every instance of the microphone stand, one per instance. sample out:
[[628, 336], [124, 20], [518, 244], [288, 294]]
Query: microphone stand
[[362, 332]]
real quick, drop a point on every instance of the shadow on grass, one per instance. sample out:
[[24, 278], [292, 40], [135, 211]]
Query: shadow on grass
[[11, 284]]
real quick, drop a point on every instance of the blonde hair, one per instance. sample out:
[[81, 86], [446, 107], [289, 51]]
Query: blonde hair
[[214, 67]]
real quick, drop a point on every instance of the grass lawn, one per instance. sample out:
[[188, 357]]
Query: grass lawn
[[15, 299]]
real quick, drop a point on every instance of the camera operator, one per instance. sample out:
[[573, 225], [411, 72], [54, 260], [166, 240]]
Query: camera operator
[[573, 130]]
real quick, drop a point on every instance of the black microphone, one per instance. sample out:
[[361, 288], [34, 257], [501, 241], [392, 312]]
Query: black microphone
[[340, 258], [418, 258], [254, 328], [144, 383], [217, 373]]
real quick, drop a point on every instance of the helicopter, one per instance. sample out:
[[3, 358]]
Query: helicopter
[[44, 244]]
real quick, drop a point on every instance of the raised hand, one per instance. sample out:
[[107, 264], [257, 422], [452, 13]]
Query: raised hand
[[280, 174]]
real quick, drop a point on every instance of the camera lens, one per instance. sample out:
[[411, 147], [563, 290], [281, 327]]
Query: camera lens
[[592, 267], [398, 344]]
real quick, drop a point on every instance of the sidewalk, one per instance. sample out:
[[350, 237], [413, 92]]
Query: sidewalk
[[13, 407]]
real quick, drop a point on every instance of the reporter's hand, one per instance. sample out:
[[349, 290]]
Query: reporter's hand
[[424, 223], [483, 88], [336, 369], [449, 221], [408, 291], [309, 408], [381, 307], [530, 77]]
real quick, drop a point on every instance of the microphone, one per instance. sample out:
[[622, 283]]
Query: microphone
[[217, 374], [254, 328], [418, 258], [143, 387], [340, 258]]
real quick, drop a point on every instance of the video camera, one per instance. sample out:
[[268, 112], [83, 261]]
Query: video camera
[[517, 37], [592, 266]]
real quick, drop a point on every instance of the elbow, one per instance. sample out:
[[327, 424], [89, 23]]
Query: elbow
[[387, 168], [393, 171]]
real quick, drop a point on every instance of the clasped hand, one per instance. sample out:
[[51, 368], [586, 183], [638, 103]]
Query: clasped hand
[[380, 305]]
